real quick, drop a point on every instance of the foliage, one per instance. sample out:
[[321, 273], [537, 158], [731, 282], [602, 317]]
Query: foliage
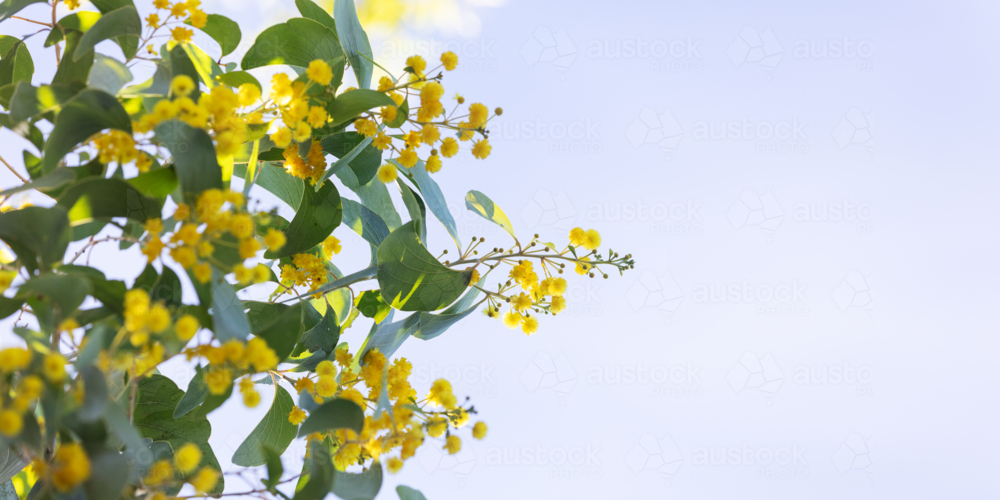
[[84, 411]]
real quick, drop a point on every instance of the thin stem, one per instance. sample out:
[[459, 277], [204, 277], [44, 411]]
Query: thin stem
[[12, 170]]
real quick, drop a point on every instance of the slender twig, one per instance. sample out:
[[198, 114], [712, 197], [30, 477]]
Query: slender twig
[[12, 170]]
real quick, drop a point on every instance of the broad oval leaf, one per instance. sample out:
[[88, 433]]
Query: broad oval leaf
[[237, 78], [354, 151], [66, 292], [319, 213], [90, 112], [411, 279], [297, 42], [16, 65], [407, 493], [433, 196], [39, 236], [108, 74], [360, 486], [157, 396], [354, 40], [223, 30], [279, 325], [228, 318], [484, 206], [97, 198], [122, 23], [334, 414], [274, 431], [194, 157], [9, 8], [350, 104]]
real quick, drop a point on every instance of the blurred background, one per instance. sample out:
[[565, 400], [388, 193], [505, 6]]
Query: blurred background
[[810, 194]]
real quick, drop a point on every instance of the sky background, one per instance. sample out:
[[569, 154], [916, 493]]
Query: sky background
[[809, 192]]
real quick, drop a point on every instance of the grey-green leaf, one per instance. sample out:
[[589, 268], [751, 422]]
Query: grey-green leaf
[[354, 40], [89, 113], [228, 318], [123, 22], [361, 486], [407, 493], [274, 432], [487, 209], [411, 279], [108, 74], [334, 414]]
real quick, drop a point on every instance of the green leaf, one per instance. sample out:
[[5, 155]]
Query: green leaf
[[371, 305], [407, 493], [157, 86], [355, 151], [433, 196], [354, 41], [415, 206], [194, 157], [39, 236], [319, 213], [66, 292], [274, 467], [98, 338], [374, 196], [109, 475], [123, 24], [90, 112], [111, 293], [156, 183], [9, 306], [97, 198], [334, 414], [279, 325], [95, 394], [227, 311], [485, 208], [181, 64], [108, 74], [296, 42], [58, 178], [29, 102], [196, 393], [308, 8], [208, 70], [350, 104], [70, 69], [411, 279], [361, 486], [278, 182], [325, 335], [366, 223], [237, 78], [119, 425], [223, 30], [16, 65], [319, 469], [154, 418], [9, 8], [274, 431]]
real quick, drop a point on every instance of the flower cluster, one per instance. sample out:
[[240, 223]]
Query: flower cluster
[[233, 359], [393, 433], [165, 473], [177, 15], [423, 124], [219, 220]]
